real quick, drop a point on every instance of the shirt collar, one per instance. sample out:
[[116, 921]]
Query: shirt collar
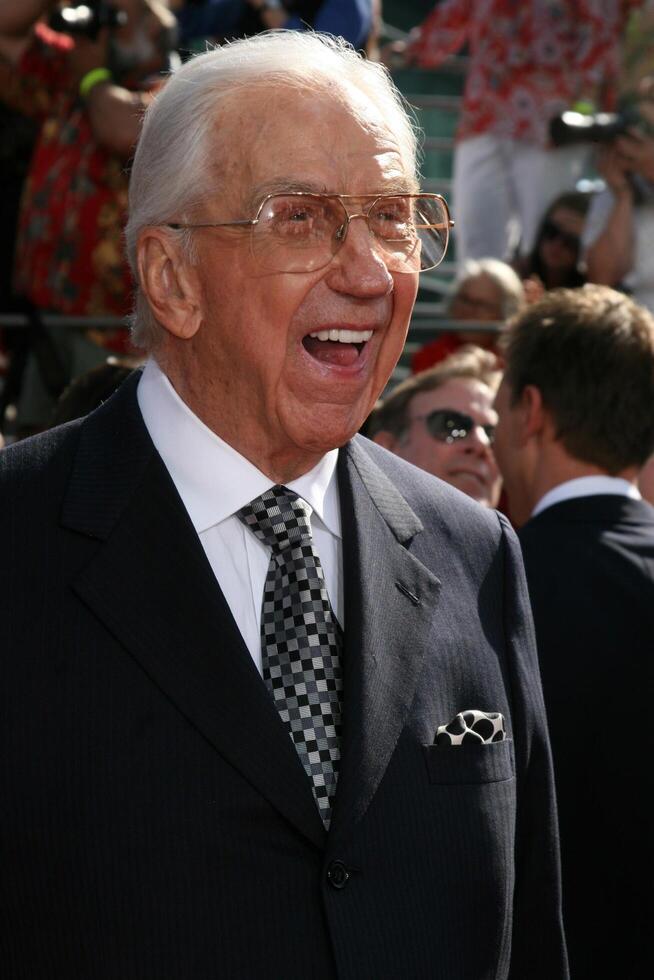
[[212, 478], [586, 486]]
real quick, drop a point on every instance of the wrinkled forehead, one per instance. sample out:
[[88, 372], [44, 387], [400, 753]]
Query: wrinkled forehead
[[334, 139]]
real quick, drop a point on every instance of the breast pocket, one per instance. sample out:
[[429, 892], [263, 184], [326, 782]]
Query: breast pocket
[[491, 762]]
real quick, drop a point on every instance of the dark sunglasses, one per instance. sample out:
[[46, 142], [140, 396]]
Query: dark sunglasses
[[448, 425], [551, 230]]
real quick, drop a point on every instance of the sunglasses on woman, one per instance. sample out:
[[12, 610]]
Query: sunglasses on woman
[[551, 231]]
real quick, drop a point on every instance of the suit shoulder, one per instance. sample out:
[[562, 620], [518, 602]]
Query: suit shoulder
[[610, 556], [27, 463]]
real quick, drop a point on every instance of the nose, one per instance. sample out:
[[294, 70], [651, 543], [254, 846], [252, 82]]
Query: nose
[[358, 268], [478, 442]]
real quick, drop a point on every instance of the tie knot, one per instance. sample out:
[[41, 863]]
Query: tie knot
[[279, 518]]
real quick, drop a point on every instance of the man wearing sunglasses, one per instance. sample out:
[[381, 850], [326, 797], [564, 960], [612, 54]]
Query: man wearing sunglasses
[[443, 421], [273, 703]]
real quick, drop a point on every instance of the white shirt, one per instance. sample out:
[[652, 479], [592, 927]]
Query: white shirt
[[214, 482], [586, 486]]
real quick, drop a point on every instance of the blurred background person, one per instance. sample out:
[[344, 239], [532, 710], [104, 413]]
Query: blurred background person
[[443, 421], [528, 62], [88, 391], [87, 93], [554, 261], [619, 232], [223, 19], [485, 290], [16, 145], [575, 427]]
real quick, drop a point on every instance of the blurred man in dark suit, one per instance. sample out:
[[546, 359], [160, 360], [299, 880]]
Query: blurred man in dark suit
[[576, 423], [273, 706]]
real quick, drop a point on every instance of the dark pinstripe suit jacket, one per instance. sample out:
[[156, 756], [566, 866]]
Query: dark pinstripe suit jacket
[[590, 567], [155, 821]]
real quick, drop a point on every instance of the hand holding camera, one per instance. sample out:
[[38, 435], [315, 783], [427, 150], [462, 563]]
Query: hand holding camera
[[635, 150], [88, 20], [612, 167]]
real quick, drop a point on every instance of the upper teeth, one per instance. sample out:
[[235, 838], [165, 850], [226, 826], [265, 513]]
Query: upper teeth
[[344, 336]]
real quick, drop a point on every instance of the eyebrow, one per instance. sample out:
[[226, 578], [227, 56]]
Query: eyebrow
[[291, 186], [284, 186]]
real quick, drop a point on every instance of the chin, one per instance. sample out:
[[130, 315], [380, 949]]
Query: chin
[[472, 489], [479, 498], [321, 442], [323, 429]]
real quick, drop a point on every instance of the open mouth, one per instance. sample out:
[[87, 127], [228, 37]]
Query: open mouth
[[338, 347]]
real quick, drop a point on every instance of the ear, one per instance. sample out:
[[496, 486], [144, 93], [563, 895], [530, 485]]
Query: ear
[[169, 282], [533, 415], [385, 439]]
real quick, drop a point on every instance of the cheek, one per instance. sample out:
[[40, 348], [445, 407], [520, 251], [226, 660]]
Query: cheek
[[255, 317], [405, 290], [447, 455], [500, 448], [428, 454]]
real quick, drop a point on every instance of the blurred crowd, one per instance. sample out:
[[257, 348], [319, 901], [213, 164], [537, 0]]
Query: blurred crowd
[[554, 94]]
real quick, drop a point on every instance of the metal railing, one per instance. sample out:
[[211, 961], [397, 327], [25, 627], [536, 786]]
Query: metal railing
[[427, 317], [19, 321]]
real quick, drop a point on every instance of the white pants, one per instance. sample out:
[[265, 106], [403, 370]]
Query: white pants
[[501, 189]]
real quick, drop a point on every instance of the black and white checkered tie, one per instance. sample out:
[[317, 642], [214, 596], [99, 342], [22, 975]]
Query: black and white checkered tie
[[301, 640]]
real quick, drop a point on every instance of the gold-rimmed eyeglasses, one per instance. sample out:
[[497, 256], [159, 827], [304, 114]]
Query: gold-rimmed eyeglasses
[[302, 232]]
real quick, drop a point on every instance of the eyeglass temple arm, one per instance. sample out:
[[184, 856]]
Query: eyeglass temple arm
[[176, 226], [441, 226]]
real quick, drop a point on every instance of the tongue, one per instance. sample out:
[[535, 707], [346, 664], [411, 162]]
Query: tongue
[[331, 351]]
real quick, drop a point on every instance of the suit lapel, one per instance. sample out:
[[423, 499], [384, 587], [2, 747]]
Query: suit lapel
[[390, 597], [151, 585]]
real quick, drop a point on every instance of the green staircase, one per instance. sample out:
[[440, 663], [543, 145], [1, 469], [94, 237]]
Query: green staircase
[[435, 97]]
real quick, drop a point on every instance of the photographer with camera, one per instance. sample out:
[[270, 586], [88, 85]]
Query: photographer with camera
[[87, 88], [619, 232], [526, 62]]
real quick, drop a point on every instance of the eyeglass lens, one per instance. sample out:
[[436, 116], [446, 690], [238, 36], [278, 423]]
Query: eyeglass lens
[[448, 425], [303, 232]]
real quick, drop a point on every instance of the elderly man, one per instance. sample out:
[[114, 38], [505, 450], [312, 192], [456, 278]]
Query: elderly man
[[443, 421], [485, 290], [575, 427], [274, 704]]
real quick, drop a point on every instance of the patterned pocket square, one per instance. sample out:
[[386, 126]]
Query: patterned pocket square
[[472, 726]]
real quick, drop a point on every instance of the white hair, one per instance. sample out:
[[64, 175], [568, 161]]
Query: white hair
[[501, 275], [175, 162]]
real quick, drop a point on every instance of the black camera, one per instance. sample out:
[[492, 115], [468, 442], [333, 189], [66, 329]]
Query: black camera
[[87, 20], [600, 127]]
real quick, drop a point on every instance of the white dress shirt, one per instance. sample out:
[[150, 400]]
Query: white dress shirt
[[587, 486], [214, 482]]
